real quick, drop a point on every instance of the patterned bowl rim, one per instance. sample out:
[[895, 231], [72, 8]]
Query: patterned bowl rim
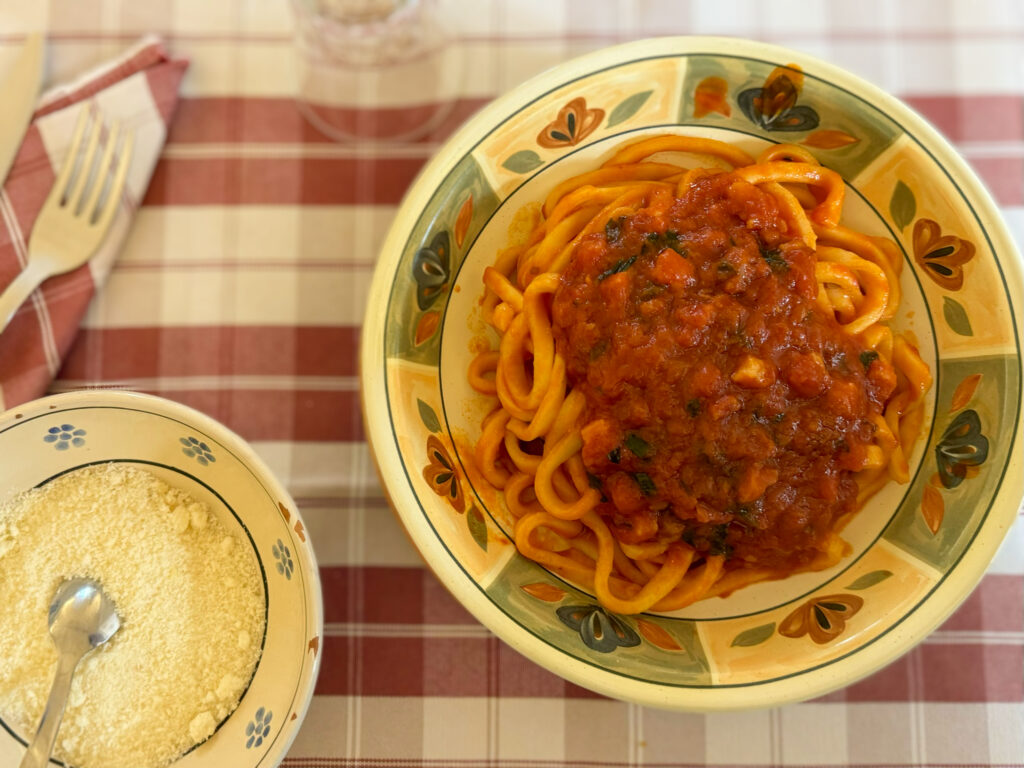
[[233, 442], [863, 660]]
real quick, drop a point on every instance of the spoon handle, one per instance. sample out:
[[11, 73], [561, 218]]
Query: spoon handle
[[38, 753]]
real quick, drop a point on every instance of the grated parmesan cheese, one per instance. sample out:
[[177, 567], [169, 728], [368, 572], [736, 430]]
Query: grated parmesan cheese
[[190, 600]]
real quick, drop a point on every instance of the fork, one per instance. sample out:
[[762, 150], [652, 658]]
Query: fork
[[77, 214]]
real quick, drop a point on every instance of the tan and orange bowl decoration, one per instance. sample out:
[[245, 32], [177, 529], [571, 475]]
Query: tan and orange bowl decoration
[[918, 549]]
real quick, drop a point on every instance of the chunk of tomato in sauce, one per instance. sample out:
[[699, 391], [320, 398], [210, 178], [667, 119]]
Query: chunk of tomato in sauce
[[671, 268]]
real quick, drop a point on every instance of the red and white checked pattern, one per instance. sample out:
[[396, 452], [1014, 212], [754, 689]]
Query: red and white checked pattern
[[241, 289], [139, 88]]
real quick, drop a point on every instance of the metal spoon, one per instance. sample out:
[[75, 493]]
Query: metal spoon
[[81, 618]]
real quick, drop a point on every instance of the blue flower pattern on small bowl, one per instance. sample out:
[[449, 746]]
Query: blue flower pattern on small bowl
[[283, 556], [258, 728], [65, 436], [195, 448]]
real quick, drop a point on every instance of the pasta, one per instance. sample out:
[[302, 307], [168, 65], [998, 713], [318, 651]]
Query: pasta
[[696, 385]]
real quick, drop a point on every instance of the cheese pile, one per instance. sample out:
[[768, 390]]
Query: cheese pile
[[190, 598]]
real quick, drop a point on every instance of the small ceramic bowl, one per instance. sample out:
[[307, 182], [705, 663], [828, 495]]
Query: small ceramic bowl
[[918, 549], [51, 436]]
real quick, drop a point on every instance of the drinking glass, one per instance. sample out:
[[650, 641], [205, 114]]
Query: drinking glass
[[374, 70]]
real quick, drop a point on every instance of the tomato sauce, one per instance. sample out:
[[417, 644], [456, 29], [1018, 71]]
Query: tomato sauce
[[724, 406]]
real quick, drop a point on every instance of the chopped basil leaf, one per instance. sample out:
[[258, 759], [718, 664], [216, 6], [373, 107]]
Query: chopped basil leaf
[[775, 260], [867, 358], [621, 266], [640, 447], [613, 229], [615, 455], [651, 291], [717, 542], [740, 337], [693, 407], [594, 481], [655, 242], [646, 484], [720, 548]]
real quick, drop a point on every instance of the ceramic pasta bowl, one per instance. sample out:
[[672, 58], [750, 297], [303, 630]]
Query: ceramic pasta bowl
[[46, 438], [917, 549]]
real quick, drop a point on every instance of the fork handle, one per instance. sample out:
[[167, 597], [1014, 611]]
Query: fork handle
[[16, 293]]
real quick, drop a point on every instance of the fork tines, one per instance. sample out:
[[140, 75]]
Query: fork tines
[[88, 189]]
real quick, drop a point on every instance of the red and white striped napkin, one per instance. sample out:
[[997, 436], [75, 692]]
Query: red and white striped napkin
[[140, 88]]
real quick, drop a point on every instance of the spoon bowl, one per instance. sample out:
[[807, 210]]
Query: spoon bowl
[[81, 617]]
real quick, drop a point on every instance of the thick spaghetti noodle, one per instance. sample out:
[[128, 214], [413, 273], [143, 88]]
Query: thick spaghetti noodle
[[696, 385]]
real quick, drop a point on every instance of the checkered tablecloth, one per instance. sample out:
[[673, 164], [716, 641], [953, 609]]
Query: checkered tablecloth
[[241, 290]]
